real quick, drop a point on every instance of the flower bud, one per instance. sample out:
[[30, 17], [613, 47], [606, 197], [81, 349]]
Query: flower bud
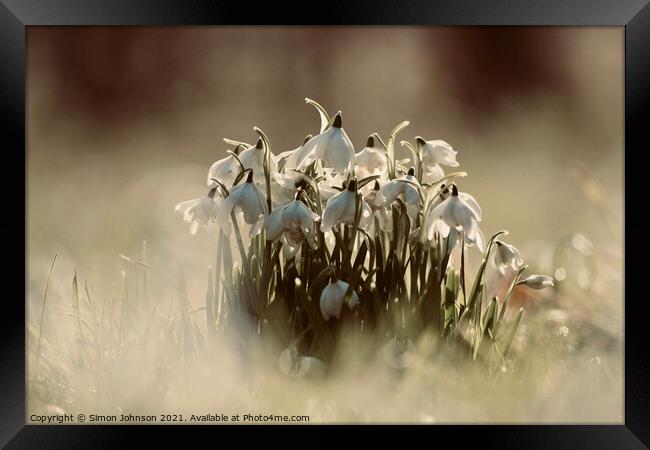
[[538, 282]]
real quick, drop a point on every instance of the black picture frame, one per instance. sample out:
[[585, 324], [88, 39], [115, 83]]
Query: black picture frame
[[634, 15]]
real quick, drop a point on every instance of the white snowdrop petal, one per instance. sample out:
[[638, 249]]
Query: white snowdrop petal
[[257, 228], [334, 209], [183, 206], [388, 193], [471, 202], [225, 170], [432, 173], [462, 215], [411, 195], [194, 227]]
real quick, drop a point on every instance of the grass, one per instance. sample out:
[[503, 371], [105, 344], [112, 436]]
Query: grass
[[426, 342]]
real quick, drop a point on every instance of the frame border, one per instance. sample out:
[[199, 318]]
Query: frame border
[[634, 15]]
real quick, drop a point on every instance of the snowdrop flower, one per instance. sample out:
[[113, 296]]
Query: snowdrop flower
[[383, 213], [406, 187], [436, 152], [295, 221], [295, 365], [285, 185], [454, 212], [432, 174], [445, 191], [225, 170], [331, 185], [333, 147], [198, 211], [331, 299], [506, 255], [341, 207], [288, 251], [247, 197], [370, 161], [253, 158], [293, 158], [538, 282]]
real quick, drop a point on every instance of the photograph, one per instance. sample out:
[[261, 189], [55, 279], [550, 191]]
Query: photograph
[[343, 224]]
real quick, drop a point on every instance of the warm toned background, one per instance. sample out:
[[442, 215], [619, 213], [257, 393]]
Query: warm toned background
[[124, 122]]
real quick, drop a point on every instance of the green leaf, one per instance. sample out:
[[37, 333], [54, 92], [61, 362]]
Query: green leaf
[[511, 335], [324, 117], [236, 143], [416, 159], [390, 148], [316, 320]]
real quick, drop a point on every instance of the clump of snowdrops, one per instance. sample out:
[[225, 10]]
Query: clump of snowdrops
[[321, 243]]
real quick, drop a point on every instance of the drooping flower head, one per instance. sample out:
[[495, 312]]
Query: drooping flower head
[[382, 212], [198, 211], [295, 365], [333, 147], [253, 158], [331, 184], [246, 197], [294, 221], [370, 161], [436, 152], [285, 185], [292, 158], [406, 187], [455, 213], [341, 208], [506, 256], [444, 192], [331, 299], [538, 282], [224, 170]]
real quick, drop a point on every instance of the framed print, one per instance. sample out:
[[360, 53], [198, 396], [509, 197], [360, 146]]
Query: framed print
[[417, 214]]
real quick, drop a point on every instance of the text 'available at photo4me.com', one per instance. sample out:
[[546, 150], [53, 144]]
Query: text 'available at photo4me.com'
[[213, 418]]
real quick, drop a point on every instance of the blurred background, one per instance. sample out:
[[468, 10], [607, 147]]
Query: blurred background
[[123, 123]]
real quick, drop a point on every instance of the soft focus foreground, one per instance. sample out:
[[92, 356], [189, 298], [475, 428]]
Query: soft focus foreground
[[544, 154]]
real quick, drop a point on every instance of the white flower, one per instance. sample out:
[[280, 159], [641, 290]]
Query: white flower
[[331, 299], [225, 170], [406, 187], [538, 282], [253, 158], [383, 213], [445, 191], [370, 161], [505, 256], [295, 365], [436, 152], [288, 251], [331, 184], [455, 212], [247, 197], [284, 186], [341, 208], [432, 174], [333, 147], [293, 158], [295, 221], [198, 211]]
